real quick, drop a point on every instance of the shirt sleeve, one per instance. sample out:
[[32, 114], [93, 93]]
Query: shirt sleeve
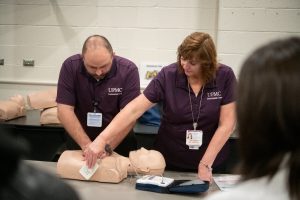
[[154, 92], [132, 87], [229, 94], [65, 86]]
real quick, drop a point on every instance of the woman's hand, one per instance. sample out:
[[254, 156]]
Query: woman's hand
[[204, 172]]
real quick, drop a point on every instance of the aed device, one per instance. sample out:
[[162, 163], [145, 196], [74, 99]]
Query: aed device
[[162, 184]]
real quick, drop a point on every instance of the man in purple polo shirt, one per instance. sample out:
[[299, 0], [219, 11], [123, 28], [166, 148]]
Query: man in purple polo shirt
[[92, 88], [198, 103]]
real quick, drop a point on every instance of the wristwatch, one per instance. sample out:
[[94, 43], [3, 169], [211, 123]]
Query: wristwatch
[[108, 149]]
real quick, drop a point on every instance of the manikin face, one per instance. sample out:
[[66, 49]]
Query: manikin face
[[191, 68], [98, 62], [147, 160]]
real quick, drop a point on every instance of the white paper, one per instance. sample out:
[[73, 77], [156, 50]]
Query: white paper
[[227, 181], [155, 180], [86, 172]]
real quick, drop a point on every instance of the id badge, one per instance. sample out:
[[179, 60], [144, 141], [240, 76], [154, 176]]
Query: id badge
[[94, 119], [194, 139]]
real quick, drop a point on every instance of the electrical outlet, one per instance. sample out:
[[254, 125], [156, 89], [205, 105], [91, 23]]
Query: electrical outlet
[[2, 61], [28, 63]]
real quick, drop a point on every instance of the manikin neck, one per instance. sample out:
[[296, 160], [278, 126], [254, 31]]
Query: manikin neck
[[134, 170], [130, 168]]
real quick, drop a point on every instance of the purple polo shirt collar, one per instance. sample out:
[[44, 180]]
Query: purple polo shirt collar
[[181, 81], [112, 72]]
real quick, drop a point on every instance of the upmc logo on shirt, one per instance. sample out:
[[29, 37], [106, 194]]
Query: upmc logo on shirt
[[115, 91], [214, 95]]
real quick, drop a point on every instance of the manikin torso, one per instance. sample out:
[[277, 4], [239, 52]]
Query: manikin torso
[[42, 99], [12, 108], [49, 116]]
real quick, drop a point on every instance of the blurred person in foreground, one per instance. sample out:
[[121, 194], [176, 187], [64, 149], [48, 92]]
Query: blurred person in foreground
[[268, 115], [22, 181]]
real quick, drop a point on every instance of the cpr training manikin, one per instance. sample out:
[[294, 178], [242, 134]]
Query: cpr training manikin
[[113, 168]]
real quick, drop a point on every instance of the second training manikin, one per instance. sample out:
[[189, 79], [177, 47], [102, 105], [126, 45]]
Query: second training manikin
[[12, 108]]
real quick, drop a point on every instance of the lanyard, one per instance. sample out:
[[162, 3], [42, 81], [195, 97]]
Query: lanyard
[[93, 96], [195, 123]]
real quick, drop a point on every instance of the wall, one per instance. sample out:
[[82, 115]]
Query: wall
[[48, 31], [244, 25]]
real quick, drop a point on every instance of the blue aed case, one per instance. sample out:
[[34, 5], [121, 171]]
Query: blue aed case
[[168, 185]]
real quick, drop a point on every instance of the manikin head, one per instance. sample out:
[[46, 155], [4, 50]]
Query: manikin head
[[147, 161]]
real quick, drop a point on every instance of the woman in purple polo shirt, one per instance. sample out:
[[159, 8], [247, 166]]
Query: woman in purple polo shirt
[[198, 102]]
